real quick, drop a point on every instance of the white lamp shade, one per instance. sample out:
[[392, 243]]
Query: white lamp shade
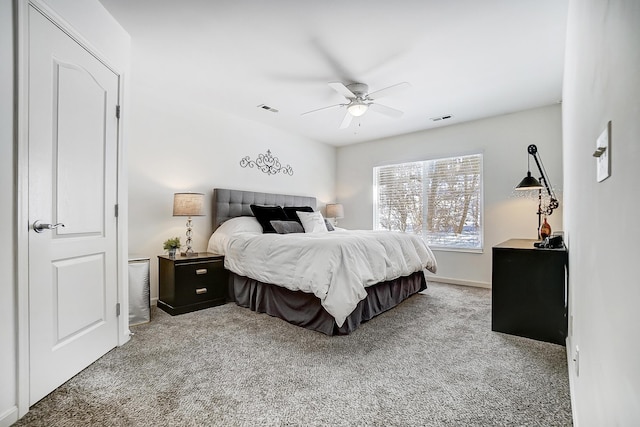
[[335, 210], [188, 204]]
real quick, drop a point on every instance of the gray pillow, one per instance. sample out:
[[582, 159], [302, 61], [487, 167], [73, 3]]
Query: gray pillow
[[286, 227], [328, 224]]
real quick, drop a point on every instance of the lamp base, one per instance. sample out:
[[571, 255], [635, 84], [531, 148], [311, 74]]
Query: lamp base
[[188, 254]]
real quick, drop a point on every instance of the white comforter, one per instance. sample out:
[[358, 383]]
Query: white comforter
[[336, 267]]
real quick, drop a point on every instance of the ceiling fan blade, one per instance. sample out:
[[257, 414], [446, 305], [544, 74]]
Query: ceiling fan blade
[[387, 111], [388, 90], [346, 121], [323, 108], [342, 89]]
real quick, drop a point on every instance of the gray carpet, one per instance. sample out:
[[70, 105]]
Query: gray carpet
[[431, 361]]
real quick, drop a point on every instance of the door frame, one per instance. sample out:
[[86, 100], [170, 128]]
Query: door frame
[[22, 192]]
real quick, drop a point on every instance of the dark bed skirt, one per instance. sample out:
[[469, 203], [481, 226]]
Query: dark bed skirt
[[303, 309]]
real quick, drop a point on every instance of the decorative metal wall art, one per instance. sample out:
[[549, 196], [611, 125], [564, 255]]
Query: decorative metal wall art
[[267, 164]]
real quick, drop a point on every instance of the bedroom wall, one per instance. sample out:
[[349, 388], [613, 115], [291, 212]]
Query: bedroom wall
[[503, 140], [8, 338], [601, 84], [178, 143]]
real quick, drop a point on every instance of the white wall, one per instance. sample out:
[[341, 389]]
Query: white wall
[[8, 338], [178, 143], [503, 140], [602, 83], [90, 19]]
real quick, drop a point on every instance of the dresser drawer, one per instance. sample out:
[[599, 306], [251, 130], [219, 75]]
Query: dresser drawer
[[201, 281]]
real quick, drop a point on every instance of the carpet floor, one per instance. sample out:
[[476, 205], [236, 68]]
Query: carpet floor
[[431, 361]]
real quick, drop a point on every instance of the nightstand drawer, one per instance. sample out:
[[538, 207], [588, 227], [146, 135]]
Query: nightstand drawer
[[201, 281]]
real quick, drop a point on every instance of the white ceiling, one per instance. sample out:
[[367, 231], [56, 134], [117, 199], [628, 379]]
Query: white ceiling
[[466, 58]]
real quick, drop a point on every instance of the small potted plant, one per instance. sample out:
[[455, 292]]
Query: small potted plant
[[171, 245]]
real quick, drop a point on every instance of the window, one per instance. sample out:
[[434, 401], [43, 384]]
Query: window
[[439, 199]]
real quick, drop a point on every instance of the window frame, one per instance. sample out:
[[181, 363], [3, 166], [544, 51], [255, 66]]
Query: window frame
[[444, 248]]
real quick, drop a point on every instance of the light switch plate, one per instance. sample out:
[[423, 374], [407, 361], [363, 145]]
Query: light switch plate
[[602, 154]]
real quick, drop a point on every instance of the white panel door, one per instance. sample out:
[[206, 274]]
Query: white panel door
[[72, 181]]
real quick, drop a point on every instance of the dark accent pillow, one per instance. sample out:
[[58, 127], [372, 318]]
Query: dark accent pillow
[[290, 211], [264, 214], [286, 227], [328, 224]]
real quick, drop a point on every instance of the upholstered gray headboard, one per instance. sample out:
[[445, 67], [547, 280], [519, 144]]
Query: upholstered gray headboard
[[229, 204]]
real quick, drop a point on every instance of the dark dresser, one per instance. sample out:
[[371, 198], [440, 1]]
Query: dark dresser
[[191, 283], [529, 291]]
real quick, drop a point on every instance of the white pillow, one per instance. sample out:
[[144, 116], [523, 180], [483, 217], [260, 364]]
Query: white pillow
[[242, 224], [313, 222]]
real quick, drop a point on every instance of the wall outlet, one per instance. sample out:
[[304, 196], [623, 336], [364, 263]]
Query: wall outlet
[[576, 361]]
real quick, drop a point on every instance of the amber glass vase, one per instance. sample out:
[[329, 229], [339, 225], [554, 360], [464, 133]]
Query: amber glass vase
[[545, 229]]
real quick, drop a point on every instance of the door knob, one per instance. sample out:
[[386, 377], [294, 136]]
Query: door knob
[[39, 227]]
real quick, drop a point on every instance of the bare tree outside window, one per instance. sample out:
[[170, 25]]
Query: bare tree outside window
[[439, 199]]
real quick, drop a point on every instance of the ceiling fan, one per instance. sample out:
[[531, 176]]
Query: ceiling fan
[[360, 100]]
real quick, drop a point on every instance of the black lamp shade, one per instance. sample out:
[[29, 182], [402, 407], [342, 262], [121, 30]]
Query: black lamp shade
[[529, 183]]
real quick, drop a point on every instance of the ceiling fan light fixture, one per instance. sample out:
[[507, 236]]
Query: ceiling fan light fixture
[[357, 108], [358, 100]]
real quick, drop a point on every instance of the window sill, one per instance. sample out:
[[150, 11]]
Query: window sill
[[465, 250]]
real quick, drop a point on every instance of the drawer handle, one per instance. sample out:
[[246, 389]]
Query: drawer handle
[[201, 271], [201, 291]]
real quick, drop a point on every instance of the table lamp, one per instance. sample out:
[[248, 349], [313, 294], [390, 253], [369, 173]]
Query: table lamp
[[531, 183], [335, 211], [188, 204]]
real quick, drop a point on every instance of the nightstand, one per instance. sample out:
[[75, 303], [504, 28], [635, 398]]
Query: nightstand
[[529, 292], [191, 283]]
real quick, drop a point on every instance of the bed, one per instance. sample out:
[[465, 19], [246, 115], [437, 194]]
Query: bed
[[318, 281]]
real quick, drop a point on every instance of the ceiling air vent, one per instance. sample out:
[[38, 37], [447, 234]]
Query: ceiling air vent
[[266, 107], [437, 119]]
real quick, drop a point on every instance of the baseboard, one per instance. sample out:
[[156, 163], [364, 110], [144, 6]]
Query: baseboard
[[154, 301], [572, 379], [459, 282], [9, 417]]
